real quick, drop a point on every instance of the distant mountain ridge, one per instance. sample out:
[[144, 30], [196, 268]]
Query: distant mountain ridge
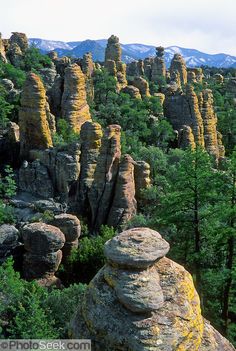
[[131, 52]]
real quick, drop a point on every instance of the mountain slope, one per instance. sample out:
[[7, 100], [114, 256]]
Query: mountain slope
[[131, 52]]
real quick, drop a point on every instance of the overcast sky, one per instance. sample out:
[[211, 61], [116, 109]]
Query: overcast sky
[[206, 25]]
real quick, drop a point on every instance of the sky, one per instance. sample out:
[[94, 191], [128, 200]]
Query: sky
[[206, 25]]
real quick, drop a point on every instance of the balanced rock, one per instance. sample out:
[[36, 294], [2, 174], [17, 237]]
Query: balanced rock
[[33, 123], [142, 301], [158, 67], [74, 104], [113, 49], [136, 248], [113, 62], [20, 39], [43, 255], [70, 227]]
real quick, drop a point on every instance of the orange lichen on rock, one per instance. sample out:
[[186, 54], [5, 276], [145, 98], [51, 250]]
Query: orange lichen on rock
[[75, 108], [34, 128]]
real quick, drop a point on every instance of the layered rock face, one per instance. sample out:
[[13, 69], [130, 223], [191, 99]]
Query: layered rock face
[[140, 300], [43, 255], [113, 61], [158, 66], [74, 104], [178, 64], [33, 123]]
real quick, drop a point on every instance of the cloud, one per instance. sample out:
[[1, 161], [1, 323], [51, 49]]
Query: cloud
[[207, 25]]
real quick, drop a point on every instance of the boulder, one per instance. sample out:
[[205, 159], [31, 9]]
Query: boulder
[[43, 255], [9, 241], [141, 300]]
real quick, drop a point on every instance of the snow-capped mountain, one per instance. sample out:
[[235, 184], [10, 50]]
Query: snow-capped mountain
[[131, 52]]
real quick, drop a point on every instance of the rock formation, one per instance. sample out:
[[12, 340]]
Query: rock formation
[[18, 44], [132, 91], [113, 61], [70, 227], [197, 113], [142, 85], [158, 74], [74, 104], [2, 50], [219, 79], [210, 123], [141, 177], [34, 128], [43, 255], [105, 176], [91, 136], [178, 64], [124, 204], [54, 172], [140, 300], [90, 178], [186, 138], [9, 241]]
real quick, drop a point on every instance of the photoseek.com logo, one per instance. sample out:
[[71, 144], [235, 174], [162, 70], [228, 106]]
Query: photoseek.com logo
[[35, 344]]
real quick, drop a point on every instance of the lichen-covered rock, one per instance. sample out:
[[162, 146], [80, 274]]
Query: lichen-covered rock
[[132, 91], [34, 128], [102, 190], [137, 248], [87, 65], [43, 255], [141, 177], [20, 39], [18, 44], [197, 123], [63, 169], [113, 61], [142, 85], [74, 104], [210, 124], [9, 240], [219, 79], [124, 204], [35, 178], [186, 138], [48, 76], [91, 141], [152, 306], [2, 50], [70, 227], [158, 67], [113, 49], [178, 64]]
